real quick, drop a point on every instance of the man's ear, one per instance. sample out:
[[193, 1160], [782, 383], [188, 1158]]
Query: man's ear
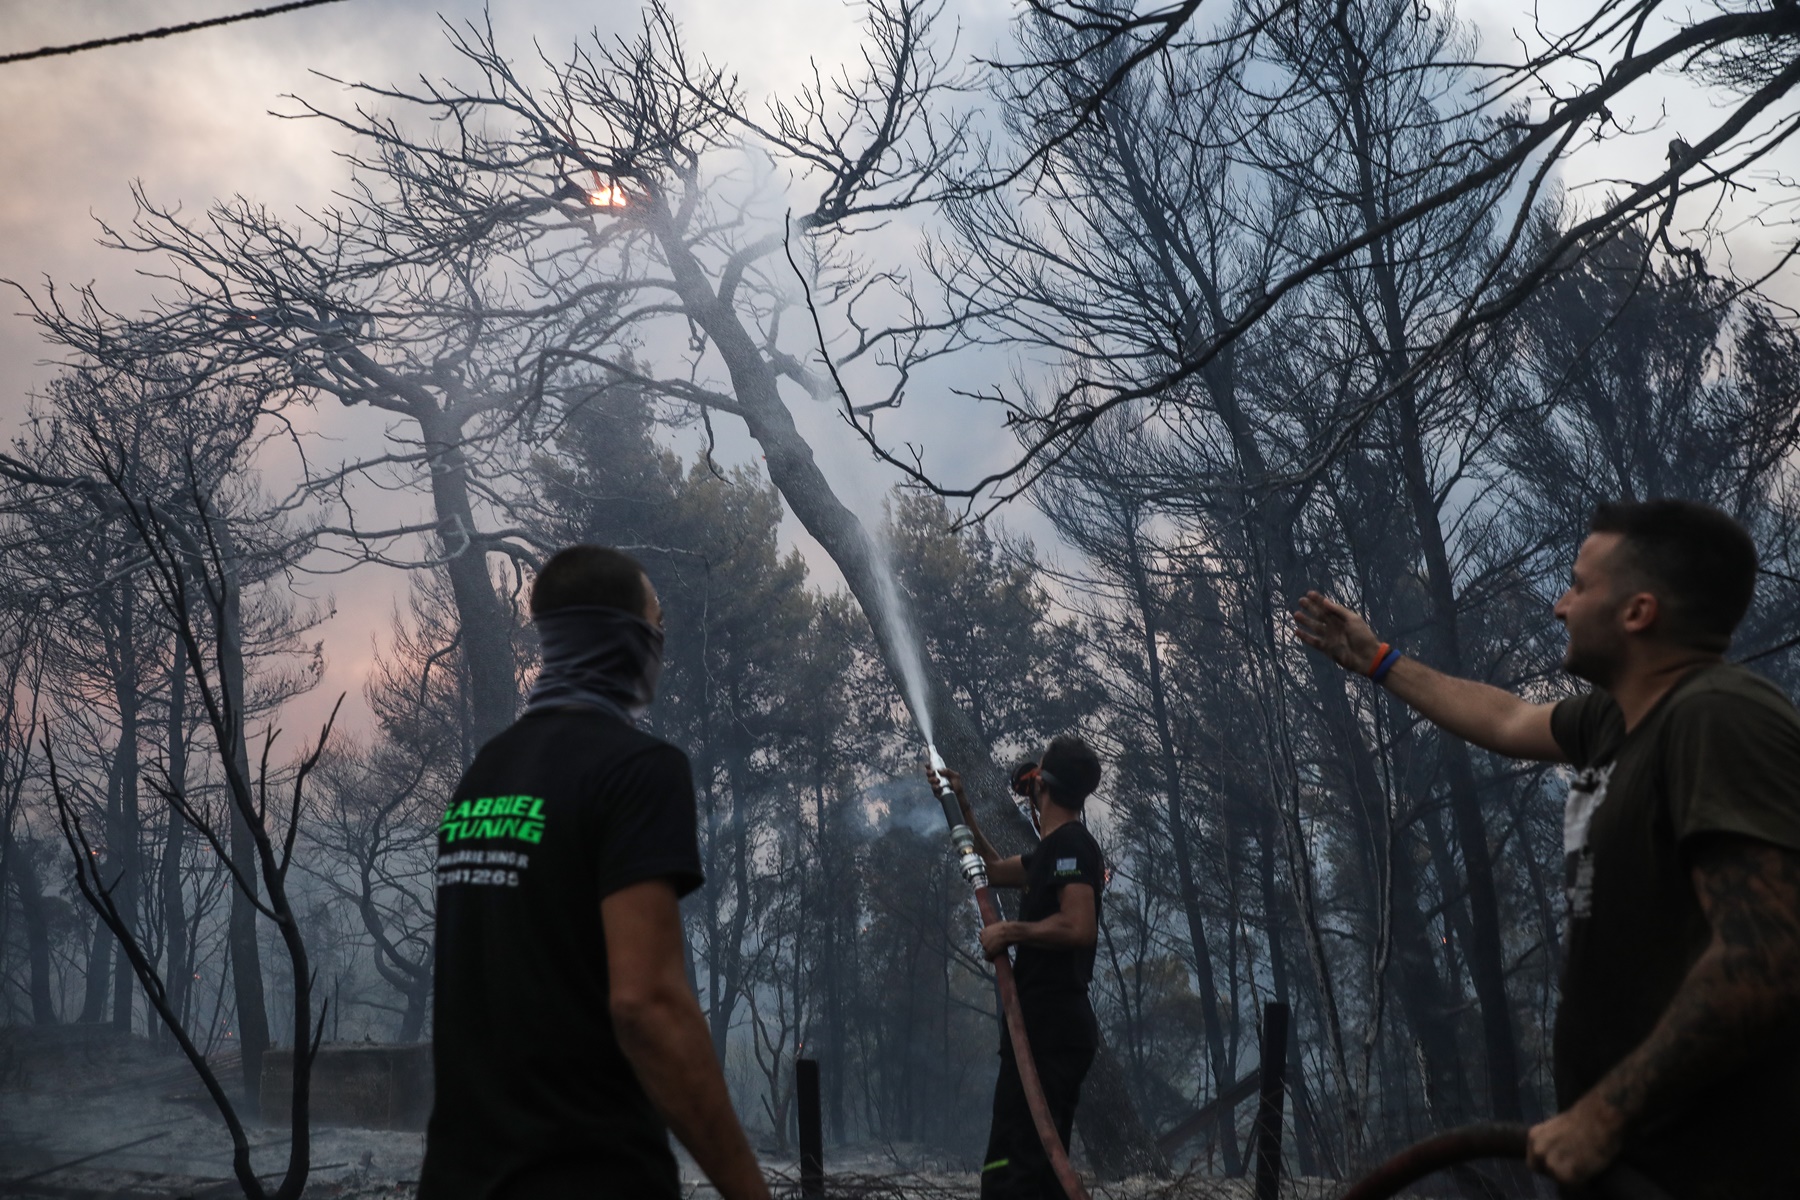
[[1639, 612]]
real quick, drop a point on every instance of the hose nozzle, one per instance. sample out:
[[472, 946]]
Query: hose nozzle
[[961, 837], [945, 793]]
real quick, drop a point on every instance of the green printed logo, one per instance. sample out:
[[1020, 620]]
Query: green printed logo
[[517, 817]]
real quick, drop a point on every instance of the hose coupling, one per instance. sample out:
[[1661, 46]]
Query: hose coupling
[[973, 868]]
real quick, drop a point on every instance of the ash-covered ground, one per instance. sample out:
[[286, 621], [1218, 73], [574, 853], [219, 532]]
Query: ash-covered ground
[[70, 1092], [87, 1114]]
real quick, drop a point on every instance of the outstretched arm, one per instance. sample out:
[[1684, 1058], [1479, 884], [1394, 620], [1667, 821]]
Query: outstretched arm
[[1490, 717], [1741, 995], [664, 1036]]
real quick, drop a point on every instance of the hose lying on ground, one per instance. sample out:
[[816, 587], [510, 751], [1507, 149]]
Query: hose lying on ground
[[1493, 1139]]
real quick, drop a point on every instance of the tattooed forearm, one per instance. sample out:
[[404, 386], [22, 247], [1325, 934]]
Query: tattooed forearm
[[1741, 993]]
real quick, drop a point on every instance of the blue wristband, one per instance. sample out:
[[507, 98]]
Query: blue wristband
[[1385, 665]]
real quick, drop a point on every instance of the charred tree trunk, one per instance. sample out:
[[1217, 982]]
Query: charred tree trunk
[[411, 979], [1487, 968], [1421, 991], [1269, 533], [713, 889], [1274, 920], [174, 901], [1224, 1074], [834, 1058], [412, 1020], [123, 861], [246, 951], [98, 978], [483, 628], [731, 954], [32, 912], [1486, 952], [483, 624]]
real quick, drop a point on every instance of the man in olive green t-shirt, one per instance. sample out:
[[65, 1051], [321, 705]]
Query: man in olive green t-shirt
[[1677, 1042]]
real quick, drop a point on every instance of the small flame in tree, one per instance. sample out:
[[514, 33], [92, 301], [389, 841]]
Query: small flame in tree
[[607, 195], [604, 193]]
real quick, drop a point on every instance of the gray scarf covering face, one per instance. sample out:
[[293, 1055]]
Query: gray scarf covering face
[[606, 658]]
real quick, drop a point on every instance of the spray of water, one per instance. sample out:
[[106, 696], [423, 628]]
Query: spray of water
[[896, 620], [909, 651]]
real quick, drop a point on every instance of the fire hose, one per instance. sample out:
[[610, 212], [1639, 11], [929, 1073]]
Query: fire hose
[[1488, 1140], [975, 871]]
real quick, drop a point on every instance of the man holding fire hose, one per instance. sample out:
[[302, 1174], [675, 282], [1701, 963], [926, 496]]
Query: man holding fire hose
[[1677, 1045], [1057, 929]]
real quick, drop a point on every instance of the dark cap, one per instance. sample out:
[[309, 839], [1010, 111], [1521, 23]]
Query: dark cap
[[1071, 769]]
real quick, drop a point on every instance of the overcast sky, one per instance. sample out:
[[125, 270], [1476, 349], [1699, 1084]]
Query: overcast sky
[[188, 117]]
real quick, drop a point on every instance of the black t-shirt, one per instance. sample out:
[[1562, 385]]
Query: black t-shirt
[[560, 810], [1719, 754], [1053, 981]]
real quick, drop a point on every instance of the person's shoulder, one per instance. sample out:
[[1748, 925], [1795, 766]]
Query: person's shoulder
[[1587, 726], [589, 733], [641, 748], [1075, 856], [590, 746], [1730, 688], [1595, 706], [1731, 710], [1072, 836]]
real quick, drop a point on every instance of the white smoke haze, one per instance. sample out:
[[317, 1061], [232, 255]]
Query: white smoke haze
[[189, 119], [872, 939]]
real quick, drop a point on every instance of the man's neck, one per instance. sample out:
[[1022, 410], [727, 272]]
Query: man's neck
[[1053, 816], [1650, 676]]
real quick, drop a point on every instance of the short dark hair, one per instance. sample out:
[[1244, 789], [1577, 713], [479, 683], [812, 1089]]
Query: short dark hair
[[1073, 769], [1698, 562], [589, 575]]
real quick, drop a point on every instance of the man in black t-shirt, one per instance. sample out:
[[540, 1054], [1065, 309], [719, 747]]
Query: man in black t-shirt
[[1677, 1044], [567, 1039], [1058, 926]]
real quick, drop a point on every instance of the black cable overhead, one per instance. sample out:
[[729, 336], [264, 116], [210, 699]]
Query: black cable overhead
[[165, 31]]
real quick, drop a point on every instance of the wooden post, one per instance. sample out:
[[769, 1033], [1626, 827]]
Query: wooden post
[[812, 1134], [1273, 1078]]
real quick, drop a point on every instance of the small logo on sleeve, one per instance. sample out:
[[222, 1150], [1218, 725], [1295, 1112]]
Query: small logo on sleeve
[[1066, 866]]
